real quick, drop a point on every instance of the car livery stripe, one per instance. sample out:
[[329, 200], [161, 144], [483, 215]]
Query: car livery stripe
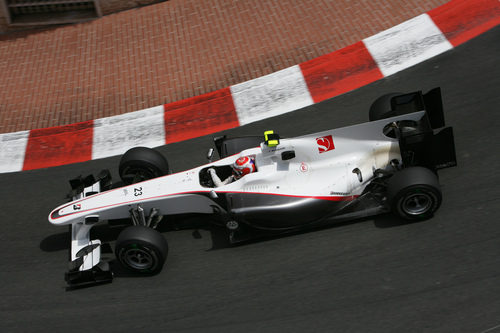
[[54, 215], [371, 59]]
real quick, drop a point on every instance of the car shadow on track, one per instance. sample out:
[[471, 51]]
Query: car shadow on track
[[391, 221], [109, 232], [62, 241], [220, 236]]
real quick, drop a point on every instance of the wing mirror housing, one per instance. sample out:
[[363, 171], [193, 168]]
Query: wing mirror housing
[[210, 154], [287, 155]]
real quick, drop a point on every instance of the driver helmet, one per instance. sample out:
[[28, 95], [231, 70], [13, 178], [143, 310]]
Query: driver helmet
[[243, 166]]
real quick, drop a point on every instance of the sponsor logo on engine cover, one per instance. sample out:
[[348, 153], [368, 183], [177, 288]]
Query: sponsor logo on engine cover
[[325, 143]]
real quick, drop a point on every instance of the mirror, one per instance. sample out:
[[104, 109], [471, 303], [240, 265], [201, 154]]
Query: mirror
[[287, 155], [210, 154]]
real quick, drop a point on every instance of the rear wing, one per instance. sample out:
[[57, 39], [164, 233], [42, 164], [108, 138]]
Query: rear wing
[[433, 145], [430, 102]]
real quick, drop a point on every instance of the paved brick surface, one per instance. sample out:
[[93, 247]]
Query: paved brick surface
[[174, 50]]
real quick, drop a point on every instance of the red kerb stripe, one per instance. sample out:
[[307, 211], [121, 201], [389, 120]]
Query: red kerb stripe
[[462, 20], [340, 71], [60, 145], [200, 115]]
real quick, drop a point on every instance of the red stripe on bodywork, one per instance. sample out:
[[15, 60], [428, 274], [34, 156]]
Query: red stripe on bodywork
[[462, 20], [340, 71], [200, 115], [327, 198], [60, 145]]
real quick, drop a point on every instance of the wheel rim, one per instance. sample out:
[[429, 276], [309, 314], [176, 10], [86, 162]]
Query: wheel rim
[[417, 203], [138, 258]]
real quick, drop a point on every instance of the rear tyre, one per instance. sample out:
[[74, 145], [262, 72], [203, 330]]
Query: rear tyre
[[140, 163], [141, 250], [381, 108], [414, 193]]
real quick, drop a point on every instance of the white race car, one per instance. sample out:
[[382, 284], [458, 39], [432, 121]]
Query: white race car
[[386, 165]]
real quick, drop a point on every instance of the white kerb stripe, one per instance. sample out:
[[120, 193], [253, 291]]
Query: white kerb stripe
[[271, 95], [407, 44], [115, 135], [13, 150]]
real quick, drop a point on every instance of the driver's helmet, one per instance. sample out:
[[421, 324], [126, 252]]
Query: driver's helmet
[[243, 166]]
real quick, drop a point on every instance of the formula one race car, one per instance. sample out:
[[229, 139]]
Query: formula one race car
[[386, 165]]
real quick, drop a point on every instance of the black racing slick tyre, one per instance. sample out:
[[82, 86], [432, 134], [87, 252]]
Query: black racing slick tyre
[[414, 193], [381, 108], [141, 250], [140, 163]]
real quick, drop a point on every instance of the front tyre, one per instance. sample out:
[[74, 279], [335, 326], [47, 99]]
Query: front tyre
[[414, 193], [141, 250], [141, 163]]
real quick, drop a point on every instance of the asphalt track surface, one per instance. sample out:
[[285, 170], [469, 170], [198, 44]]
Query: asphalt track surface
[[373, 275]]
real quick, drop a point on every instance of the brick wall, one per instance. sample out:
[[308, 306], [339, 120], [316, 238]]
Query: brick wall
[[160, 54]]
